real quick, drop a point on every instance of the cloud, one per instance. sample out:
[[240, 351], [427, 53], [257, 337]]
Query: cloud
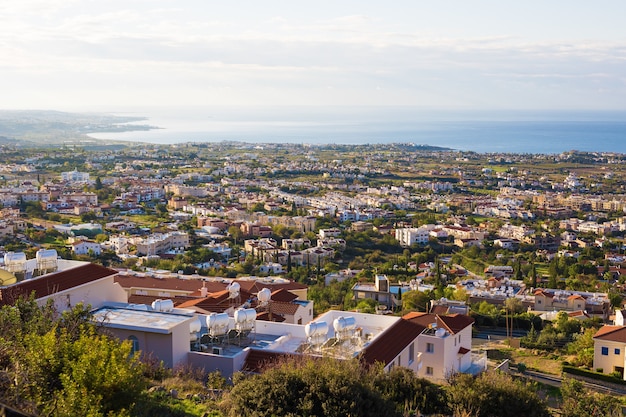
[[136, 44]]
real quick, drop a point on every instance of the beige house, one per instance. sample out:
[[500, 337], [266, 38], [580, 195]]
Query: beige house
[[555, 300], [609, 344], [160, 243]]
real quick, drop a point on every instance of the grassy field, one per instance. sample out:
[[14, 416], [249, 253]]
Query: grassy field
[[535, 360]]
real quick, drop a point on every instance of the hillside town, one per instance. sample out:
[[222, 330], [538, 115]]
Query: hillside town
[[225, 256]]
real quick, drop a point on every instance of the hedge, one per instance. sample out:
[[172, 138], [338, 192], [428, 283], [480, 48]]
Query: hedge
[[591, 374]]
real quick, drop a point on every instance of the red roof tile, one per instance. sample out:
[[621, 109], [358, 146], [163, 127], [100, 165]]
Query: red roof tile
[[611, 333], [454, 323], [190, 285], [439, 309], [283, 295], [55, 282], [265, 316], [390, 343], [278, 307]]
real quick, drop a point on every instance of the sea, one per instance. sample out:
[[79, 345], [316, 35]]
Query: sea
[[482, 131]]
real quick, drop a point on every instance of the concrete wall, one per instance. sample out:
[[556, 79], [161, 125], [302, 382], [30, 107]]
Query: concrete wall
[[226, 365]]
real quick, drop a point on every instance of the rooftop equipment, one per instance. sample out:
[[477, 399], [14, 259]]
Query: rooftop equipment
[[46, 260], [245, 318], [264, 296], [344, 327], [15, 262], [316, 332], [163, 305], [217, 324], [233, 290]]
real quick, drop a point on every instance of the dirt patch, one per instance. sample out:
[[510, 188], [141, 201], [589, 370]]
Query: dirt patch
[[536, 360]]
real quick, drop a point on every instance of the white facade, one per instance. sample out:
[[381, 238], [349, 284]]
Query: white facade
[[86, 248], [75, 176], [412, 235], [442, 353]]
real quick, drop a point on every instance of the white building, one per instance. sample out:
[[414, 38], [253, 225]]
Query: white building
[[159, 243], [411, 235], [75, 176], [65, 282], [86, 247]]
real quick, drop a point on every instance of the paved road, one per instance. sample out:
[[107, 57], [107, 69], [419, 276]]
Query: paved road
[[557, 380]]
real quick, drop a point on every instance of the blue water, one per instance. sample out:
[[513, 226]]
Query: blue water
[[546, 132]]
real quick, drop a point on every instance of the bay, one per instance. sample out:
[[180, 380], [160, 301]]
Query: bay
[[484, 131]]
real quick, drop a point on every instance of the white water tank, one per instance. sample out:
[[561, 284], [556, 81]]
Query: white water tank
[[341, 324], [264, 295], [233, 289], [168, 305], [440, 332], [195, 326], [217, 324], [245, 315], [316, 328], [15, 261], [163, 305], [46, 254], [214, 320]]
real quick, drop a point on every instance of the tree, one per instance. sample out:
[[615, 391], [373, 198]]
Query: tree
[[416, 300], [329, 387], [494, 394], [582, 348], [60, 365], [367, 305], [235, 232], [580, 402]]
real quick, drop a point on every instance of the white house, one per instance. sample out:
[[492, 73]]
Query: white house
[[65, 282], [410, 235], [86, 247]]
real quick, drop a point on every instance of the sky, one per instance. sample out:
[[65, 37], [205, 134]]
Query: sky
[[482, 54]]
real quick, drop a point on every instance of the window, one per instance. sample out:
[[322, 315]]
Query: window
[[399, 360], [605, 350], [135, 347], [429, 370], [411, 353], [430, 348], [617, 351]]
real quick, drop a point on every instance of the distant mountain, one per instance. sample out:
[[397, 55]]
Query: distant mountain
[[48, 127]]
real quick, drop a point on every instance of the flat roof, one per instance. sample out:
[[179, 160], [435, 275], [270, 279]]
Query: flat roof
[[140, 320]]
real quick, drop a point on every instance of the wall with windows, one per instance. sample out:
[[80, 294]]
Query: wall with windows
[[609, 356]]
